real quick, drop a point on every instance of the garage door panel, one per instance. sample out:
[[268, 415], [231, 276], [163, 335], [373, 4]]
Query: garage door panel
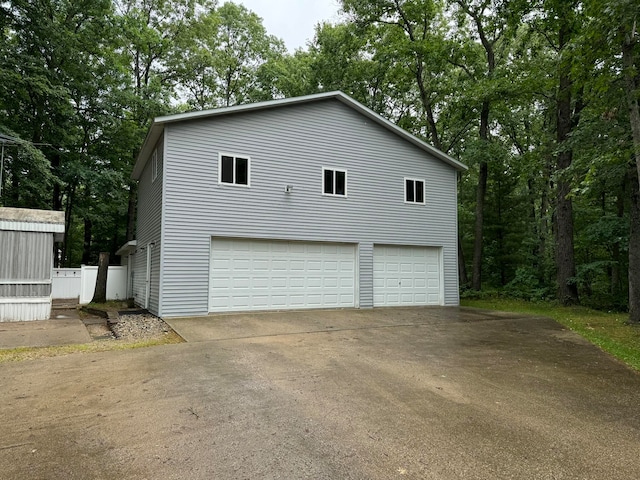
[[266, 275], [406, 275]]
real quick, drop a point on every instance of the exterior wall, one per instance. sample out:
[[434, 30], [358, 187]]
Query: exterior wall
[[148, 233], [26, 261], [289, 146], [24, 309]]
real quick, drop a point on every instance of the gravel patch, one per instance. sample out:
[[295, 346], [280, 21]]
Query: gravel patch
[[139, 327]]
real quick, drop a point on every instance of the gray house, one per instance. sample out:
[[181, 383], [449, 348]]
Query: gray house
[[307, 202], [26, 262]]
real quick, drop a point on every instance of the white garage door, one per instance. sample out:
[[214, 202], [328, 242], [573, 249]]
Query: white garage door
[[404, 275], [273, 275]]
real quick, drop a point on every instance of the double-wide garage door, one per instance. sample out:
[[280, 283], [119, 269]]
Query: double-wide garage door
[[406, 275], [249, 274]]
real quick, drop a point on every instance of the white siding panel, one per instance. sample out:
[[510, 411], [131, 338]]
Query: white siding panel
[[24, 309], [289, 146]]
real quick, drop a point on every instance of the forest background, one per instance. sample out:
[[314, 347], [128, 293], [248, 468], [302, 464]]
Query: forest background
[[539, 98]]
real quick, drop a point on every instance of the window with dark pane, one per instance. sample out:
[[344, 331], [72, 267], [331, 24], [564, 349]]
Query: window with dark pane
[[413, 190], [242, 171], [419, 191], [226, 176], [341, 182], [334, 182], [328, 181], [410, 191]]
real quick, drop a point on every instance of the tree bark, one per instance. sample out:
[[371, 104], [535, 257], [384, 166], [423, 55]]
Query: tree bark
[[631, 77], [565, 262], [462, 267], [481, 193], [100, 293], [634, 251], [631, 89], [476, 269]]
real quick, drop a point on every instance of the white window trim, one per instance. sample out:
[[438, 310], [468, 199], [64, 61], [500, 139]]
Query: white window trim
[[346, 182], [154, 165], [424, 190], [234, 156]]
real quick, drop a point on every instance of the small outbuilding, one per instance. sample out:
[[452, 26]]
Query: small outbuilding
[[26, 262]]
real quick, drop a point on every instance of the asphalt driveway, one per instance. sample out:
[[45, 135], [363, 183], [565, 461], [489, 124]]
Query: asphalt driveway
[[423, 393]]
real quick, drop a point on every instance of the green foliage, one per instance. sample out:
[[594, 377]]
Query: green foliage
[[218, 58]]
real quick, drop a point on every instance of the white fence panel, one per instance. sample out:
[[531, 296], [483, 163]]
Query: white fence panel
[[66, 283], [116, 283]]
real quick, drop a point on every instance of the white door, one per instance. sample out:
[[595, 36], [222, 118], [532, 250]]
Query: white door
[[406, 275], [248, 274]]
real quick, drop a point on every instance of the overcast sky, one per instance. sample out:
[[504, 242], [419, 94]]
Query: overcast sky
[[293, 20]]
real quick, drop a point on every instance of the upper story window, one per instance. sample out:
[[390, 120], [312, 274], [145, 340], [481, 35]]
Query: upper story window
[[233, 170], [414, 190], [334, 182], [154, 165]]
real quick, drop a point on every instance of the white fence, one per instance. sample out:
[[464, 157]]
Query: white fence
[[81, 283]]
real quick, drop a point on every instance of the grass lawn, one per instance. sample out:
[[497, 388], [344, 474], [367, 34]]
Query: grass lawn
[[32, 353], [609, 331]]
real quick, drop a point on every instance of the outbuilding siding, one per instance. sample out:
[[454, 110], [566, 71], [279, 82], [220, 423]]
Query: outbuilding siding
[[26, 257], [289, 146]]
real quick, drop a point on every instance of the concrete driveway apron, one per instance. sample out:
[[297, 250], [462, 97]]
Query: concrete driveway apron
[[422, 393]]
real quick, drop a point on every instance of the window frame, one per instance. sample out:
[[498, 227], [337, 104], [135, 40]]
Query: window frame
[[154, 165], [334, 170], [424, 190], [234, 156]]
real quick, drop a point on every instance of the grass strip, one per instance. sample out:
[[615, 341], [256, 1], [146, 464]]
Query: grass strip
[[32, 353]]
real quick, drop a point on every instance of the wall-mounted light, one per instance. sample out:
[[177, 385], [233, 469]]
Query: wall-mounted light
[[288, 189]]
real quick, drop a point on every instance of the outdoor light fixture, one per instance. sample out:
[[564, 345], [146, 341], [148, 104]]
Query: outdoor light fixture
[[288, 188]]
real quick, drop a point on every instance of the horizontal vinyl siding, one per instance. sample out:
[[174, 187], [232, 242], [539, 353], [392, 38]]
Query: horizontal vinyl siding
[[366, 274], [149, 229], [289, 146]]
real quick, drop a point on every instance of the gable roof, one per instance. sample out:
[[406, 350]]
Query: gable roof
[[157, 127]]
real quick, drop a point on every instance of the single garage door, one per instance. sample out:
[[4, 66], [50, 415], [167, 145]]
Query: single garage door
[[406, 275], [251, 274]]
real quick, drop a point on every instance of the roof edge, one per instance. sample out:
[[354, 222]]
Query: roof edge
[[157, 126]]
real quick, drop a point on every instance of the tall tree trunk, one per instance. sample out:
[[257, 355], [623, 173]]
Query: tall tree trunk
[[100, 293], [631, 80], [565, 262], [481, 193], [634, 252], [56, 198], [462, 267]]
